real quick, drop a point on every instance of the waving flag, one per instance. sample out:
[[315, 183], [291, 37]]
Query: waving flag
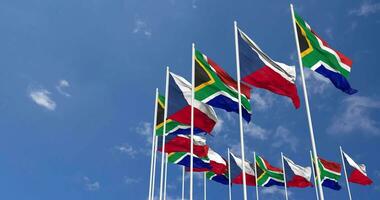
[[237, 171], [216, 88], [181, 143], [317, 55], [183, 158], [217, 163], [220, 178], [330, 173], [356, 173], [172, 127], [179, 106], [296, 176], [267, 175], [261, 71]]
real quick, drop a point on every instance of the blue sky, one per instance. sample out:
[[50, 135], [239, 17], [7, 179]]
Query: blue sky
[[77, 88]]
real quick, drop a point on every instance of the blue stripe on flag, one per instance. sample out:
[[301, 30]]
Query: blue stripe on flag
[[229, 105], [337, 79]]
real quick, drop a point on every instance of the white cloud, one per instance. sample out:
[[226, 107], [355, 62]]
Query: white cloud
[[356, 116], [218, 126], [283, 137], [262, 100], [256, 131], [329, 32], [41, 97], [62, 84], [274, 191], [316, 83], [91, 185], [141, 27], [129, 180], [145, 129], [366, 8], [127, 149], [194, 4]]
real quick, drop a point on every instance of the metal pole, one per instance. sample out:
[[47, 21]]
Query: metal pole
[[183, 183], [192, 119], [153, 140], [229, 176], [204, 186], [285, 184], [345, 173], [166, 174], [154, 167], [307, 104], [257, 186], [315, 181], [164, 133], [240, 110]]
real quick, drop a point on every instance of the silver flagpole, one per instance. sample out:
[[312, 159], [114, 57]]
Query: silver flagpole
[[345, 173], [153, 147], [315, 181], [183, 183], [285, 184], [307, 104], [204, 186], [229, 175], [154, 166], [257, 186], [166, 174], [192, 120], [240, 110], [164, 133]]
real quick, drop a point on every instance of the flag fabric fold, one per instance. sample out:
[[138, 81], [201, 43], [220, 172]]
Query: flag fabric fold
[[183, 158], [172, 127], [296, 175], [318, 56], [330, 173], [220, 178], [267, 175], [259, 70], [237, 171], [217, 88], [356, 173], [179, 106], [182, 143]]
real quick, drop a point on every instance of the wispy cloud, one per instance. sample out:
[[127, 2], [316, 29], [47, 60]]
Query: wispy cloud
[[329, 33], [91, 185], [62, 85], [355, 115], [218, 126], [145, 129], [316, 83], [42, 98], [130, 180], [141, 27], [127, 149], [256, 131], [284, 137], [194, 4], [272, 191], [366, 8], [262, 100]]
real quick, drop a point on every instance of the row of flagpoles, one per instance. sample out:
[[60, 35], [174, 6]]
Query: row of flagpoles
[[290, 90]]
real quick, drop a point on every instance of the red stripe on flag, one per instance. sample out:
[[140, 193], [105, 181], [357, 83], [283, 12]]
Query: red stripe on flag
[[357, 177]]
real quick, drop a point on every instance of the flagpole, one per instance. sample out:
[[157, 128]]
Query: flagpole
[[192, 119], [257, 186], [164, 133], [166, 174], [183, 182], [229, 176], [153, 147], [307, 105], [345, 172], [315, 181], [240, 110], [285, 184], [154, 166], [204, 186]]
